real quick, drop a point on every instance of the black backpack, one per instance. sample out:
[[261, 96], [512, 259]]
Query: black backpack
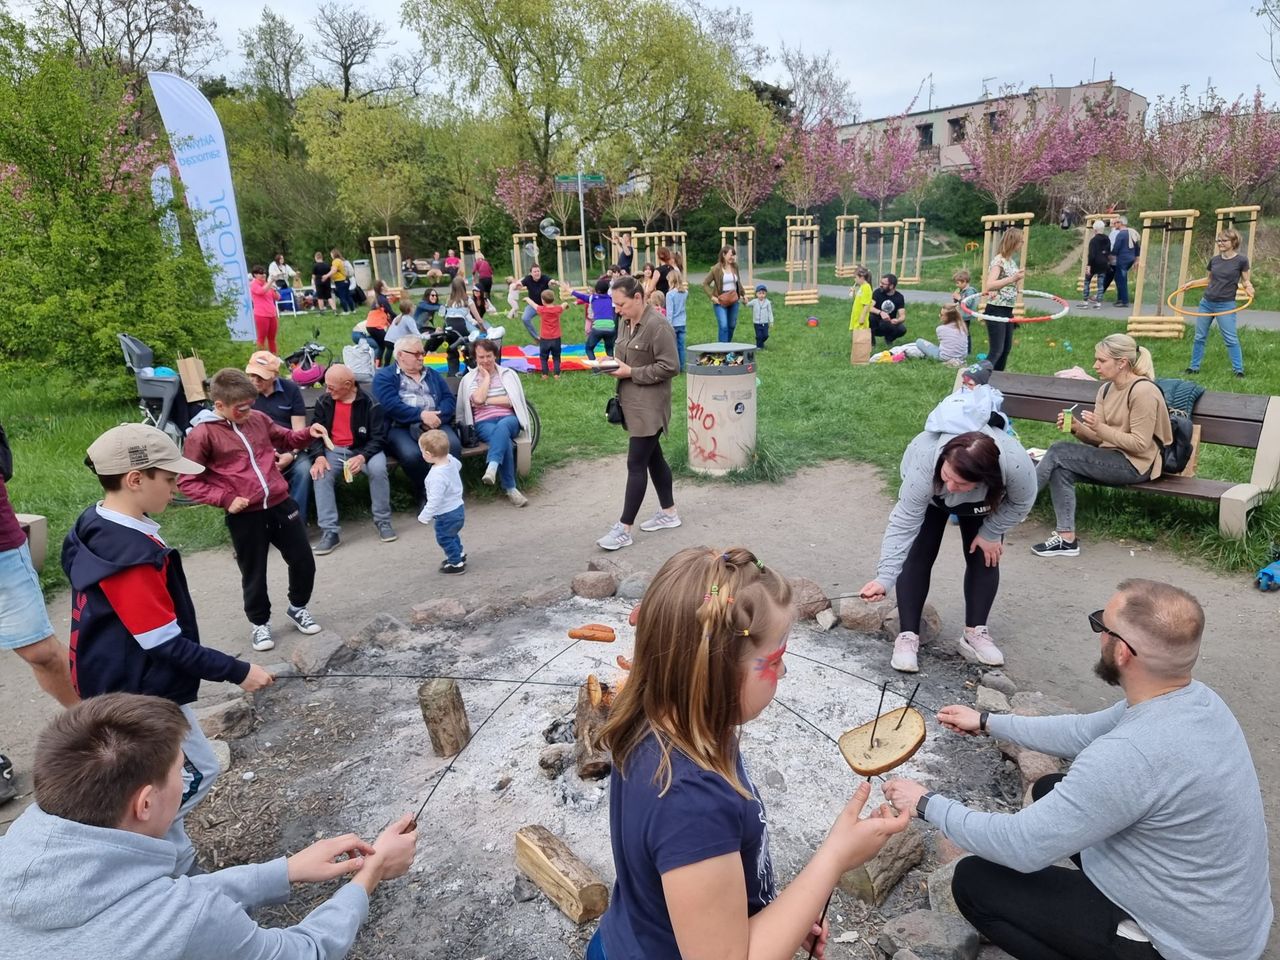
[[1174, 457]]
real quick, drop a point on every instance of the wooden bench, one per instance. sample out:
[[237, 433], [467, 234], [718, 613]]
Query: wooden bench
[[525, 442], [1242, 420]]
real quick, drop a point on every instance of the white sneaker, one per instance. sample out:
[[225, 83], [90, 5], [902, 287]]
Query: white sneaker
[[262, 641], [616, 538], [516, 497], [976, 646], [661, 521], [905, 653], [491, 474]]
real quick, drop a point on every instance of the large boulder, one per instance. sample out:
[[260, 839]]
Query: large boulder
[[941, 899], [382, 631], [860, 616], [228, 720], [442, 610], [873, 881], [992, 701], [930, 936], [930, 623], [619, 568], [595, 584], [807, 598], [633, 586], [315, 654]]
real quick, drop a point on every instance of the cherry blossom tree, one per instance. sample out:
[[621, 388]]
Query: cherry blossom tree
[[887, 162], [746, 169], [1179, 137], [1111, 144], [522, 193], [1249, 146], [681, 184], [1009, 149], [811, 165], [849, 172]]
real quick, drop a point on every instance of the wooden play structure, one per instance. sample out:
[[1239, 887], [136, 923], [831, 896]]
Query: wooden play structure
[[521, 260], [912, 264], [468, 247], [646, 244], [571, 262], [799, 220], [846, 244], [384, 255], [739, 237], [993, 228], [802, 265], [1162, 269], [878, 246], [1084, 246], [1245, 221]]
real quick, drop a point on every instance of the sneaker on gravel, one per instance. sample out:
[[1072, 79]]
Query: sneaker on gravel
[[385, 533], [1055, 546], [445, 562], [303, 620], [661, 521], [8, 789], [516, 497], [976, 646], [327, 543], [491, 474], [905, 653], [459, 567], [262, 637], [615, 539]]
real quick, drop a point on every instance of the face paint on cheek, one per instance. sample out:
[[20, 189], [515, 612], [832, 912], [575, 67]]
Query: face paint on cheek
[[767, 667]]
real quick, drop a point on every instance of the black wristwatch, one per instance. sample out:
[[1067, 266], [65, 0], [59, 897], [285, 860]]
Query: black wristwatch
[[921, 804], [982, 720]]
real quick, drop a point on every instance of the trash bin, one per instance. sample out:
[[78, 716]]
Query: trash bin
[[364, 274], [721, 410]]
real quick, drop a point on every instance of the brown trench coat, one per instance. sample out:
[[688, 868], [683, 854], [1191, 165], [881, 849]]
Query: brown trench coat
[[649, 348]]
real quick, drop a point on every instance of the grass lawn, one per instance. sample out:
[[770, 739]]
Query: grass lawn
[[812, 405]]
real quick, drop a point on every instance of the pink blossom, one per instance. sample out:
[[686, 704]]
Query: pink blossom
[[523, 193]]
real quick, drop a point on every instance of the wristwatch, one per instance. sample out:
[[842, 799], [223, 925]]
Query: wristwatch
[[922, 803], [982, 720]]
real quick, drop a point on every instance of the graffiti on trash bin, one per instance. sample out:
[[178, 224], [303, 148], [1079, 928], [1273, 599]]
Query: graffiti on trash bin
[[703, 448]]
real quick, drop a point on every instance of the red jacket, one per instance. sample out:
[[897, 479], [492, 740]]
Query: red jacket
[[239, 461]]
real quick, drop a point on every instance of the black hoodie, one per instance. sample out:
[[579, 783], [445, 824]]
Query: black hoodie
[[133, 624]]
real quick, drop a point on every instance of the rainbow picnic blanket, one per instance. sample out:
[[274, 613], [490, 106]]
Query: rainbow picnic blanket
[[522, 359]]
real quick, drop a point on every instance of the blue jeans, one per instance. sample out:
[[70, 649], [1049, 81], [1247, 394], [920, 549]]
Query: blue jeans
[[527, 319], [1098, 280], [726, 321], [1226, 327], [379, 489], [598, 336], [343, 289], [930, 350], [762, 334], [298, 474], [1122, 282], [447, 527], [500, 435], [595, 949], [680, 345], [23, 618]]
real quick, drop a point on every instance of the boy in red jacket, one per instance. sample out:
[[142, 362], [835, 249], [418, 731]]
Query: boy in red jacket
[[237, 446]]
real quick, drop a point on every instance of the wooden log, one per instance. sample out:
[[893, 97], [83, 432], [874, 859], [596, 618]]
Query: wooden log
[[873, 881], [592, 763], [445, 716], [569, 883]]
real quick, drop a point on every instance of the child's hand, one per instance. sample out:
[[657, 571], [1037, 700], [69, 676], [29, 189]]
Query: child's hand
[[318, 431], [857, 841], [257, 679], [238, 504]]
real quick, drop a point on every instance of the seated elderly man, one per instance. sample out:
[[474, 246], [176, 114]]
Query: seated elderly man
[[281, 400], [87, 873], [1160, 810], [414, 398], [358, 433]]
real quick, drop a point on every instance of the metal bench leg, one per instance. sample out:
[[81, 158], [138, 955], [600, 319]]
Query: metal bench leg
[[1234, 507]]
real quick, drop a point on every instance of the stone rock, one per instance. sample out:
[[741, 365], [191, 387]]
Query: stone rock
[[633, 587], [827, 618], [482, 614], [382, 631], [930, 936], [941, 900], [281, 669], [998, 681], [595, 584], [619, 568], [442, 610], [992, 952], [1029, 704], [862, 617], [524, 890], [775, 779], [317, 653], [1032, 766], [992, 700], [540, 597], [228, 720], [807, 598], [222, 752], [945, 850], [906, 955], [874, 880], [930, 623], [555, 759]]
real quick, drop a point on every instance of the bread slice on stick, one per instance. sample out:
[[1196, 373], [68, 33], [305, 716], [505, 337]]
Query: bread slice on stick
[[892, 747]]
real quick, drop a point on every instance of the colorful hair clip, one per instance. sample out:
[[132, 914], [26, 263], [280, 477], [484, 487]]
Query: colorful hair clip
[[760, 564]]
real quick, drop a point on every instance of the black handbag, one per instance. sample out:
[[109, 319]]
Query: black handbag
[[613, 412], [468, 435]]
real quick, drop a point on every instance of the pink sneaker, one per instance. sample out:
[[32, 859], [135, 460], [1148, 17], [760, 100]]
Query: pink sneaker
[[976, 646], [905, 650]]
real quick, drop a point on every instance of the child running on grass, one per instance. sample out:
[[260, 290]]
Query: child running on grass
[[688, 829], [444, 508], [549, 334], [953, 338]]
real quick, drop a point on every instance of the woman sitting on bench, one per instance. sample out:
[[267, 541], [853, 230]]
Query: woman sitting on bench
[[1122, 437]]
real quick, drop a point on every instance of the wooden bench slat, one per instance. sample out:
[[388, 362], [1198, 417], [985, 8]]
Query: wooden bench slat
[[1192, 488]]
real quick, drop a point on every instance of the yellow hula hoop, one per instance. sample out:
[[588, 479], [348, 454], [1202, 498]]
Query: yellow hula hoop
[[1195, 285]]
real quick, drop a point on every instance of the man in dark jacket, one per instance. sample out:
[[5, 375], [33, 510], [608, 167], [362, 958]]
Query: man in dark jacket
[[414, 398], [358, 433], [1097, 265], [133, 623]]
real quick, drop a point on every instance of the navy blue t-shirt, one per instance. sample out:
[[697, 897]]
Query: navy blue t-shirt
[[701, 816], [284, 402]]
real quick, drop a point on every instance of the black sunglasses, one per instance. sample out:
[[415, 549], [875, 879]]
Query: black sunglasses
[[1095, 621]]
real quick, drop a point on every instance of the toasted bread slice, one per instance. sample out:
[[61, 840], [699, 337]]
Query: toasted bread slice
[[892, 747], [593, 631]]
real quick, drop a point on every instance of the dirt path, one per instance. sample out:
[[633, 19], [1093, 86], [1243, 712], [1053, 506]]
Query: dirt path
[[824, 523]]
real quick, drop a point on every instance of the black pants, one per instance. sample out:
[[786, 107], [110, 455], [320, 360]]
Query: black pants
[[383, 350], [980, 581], [645, 461], [1052, 914], [253, 533], [549, 347], [999, 336], [888, 329], [762, 334]]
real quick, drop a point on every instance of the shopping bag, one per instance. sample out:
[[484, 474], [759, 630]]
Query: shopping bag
[[191, 372], [861, 352]]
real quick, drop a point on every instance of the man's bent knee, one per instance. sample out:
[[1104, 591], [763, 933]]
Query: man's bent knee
[[43, 654]]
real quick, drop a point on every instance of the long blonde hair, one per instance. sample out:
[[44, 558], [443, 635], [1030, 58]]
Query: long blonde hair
[[457, 293], [1010, 241], [1121, 346], [703, 614]]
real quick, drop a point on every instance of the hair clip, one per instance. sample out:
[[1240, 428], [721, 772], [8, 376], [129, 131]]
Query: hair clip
[[746, 633], [760, 564], [724, 557]]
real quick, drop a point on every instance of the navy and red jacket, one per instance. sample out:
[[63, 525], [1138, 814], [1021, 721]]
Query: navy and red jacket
[[133, 624]]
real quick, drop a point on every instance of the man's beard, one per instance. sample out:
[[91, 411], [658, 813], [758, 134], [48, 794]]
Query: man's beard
[[1105, 668]]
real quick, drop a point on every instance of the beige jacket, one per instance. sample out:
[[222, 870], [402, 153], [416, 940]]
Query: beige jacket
[[1131, 420], [649, 348]]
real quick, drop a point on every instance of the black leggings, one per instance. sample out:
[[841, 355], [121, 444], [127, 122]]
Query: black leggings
[[999, 336], [645, 460], [980, 581], [1051, 914]]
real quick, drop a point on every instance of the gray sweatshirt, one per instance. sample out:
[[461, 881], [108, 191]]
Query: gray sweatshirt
[[1162, 804], [92, 893], [918, 491]]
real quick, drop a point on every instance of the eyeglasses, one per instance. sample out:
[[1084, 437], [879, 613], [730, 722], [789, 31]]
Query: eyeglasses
[[1095, 621], [412, 353]]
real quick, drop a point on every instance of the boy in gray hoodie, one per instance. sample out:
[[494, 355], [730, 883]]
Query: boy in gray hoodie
[[85, 872]]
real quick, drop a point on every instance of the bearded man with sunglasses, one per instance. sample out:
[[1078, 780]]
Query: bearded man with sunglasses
[[1160, 811]]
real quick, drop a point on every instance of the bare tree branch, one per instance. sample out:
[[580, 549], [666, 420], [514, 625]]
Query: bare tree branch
[[349, 38]]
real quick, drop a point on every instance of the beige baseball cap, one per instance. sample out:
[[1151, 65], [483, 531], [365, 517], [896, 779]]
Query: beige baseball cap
[[264, 364], [136, 446]]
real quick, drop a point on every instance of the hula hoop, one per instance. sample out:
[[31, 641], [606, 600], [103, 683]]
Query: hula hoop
[[1066, 308], [1194, 285]]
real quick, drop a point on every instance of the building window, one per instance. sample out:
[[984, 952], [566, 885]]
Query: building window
[[956, 127], [993, 121], [925, 132]]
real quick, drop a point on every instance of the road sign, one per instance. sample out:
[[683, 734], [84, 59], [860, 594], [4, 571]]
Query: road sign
[[588, 179]]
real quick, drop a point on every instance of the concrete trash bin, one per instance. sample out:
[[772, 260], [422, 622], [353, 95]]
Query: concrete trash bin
[[721, 409]]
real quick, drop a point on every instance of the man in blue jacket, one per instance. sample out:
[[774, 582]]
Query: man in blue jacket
[[1126, 248], [414, 398]]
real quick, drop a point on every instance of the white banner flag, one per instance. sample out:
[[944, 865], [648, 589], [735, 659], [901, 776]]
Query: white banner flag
[[200, 150]]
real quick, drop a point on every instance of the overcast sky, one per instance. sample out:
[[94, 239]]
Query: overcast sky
[[888, 48]]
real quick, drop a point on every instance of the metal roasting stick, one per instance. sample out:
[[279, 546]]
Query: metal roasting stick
[[908, 706], [876, 722]]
